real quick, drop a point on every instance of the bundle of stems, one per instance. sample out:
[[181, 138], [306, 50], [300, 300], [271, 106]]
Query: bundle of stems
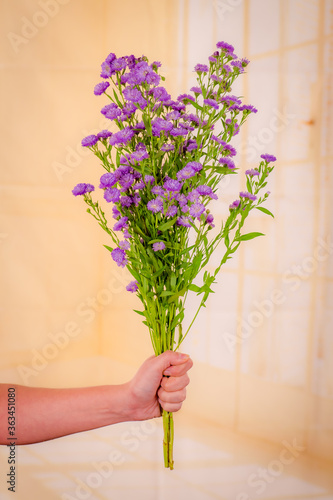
[[163, 167]]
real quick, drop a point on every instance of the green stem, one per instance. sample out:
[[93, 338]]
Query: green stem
[[168, 439]]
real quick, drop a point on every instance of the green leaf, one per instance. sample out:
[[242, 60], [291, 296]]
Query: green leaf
[[166, 293], [118, 158], [167, 225], [194, 288], [248, 236], [265, 211], [196, 105], [142, 313], [117, 98], [108, 248]]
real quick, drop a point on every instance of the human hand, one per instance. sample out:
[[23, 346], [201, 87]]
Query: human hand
[[160, 382]]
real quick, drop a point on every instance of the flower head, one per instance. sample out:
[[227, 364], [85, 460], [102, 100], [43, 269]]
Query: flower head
[[89, 141], [211, 103], [252, 172], [172, 185], [159, 245], [82, 188], [101, 87], [197, 209], [132, 286], [268, 158], [246, 194], [104, 134], [226, 47], [119, 256], [155, 206], [185, 173], [107, 180], [122, 137], [120, 224], [235, 204], [112, 194], [201, 68], [227, 162]]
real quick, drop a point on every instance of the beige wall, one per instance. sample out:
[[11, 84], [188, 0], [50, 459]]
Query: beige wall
[[263, 347]]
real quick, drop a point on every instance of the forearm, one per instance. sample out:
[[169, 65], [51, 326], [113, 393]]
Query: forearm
[[43, 414]]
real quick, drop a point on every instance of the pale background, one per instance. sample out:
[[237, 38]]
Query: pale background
[[263, 348]]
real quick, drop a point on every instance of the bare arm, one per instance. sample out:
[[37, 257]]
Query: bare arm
[[43, 414]]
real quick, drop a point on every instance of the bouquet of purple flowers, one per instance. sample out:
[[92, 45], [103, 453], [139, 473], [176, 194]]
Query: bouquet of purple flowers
[[163, 166]]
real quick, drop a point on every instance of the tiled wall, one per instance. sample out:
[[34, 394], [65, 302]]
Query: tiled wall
[[263, 347]]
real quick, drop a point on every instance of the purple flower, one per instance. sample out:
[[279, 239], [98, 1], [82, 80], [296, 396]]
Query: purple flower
[[160, 94], [158, 190], [89, 141], [149, 179], [238, 65], [225, 46], [119, 256], [196, 90], [183, 221], [211, 103], [112, 194], [234, 204], [201, 68], [186, 172], [249, 196], [106, 66], [126, 201], [159, 245], [132, 94], [185, 208], [126, 181], [197, 209], [173, 115], [132, 286], [104, 134], [249, 108], [245, 62], [155, 205], [101, 87], [172, 185], [107, 180], [205, 190], [122, 137], [176, 132], [171, 211], [115, 212], [167, 147], [82, 188], [268, 158], [185, 97], [181, 198], [209, 220], [252, 172], [193, 196], [216, 78], [139, 154], [111, 110], [227, 162], [124, 245], [230, 150], [159, 125], [120, 224]]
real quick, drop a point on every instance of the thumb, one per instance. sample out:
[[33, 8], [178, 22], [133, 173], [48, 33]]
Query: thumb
[[169, 358]]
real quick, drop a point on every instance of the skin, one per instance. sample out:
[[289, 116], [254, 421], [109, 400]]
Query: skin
[[44, 414]]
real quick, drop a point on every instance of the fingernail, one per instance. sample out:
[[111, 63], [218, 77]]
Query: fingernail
[[184, 356]]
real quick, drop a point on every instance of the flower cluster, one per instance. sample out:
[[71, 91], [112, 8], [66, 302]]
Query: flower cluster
[[183, 193], [164, 159]]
